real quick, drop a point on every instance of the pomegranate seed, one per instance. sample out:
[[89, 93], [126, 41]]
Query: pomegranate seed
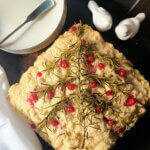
[[64, 64], [99, 109], [119, 129], [130, 101], [83, 42], [93, 85], [109, 93], [121, 72], [70, 109], [101, 66], [33, 126], [32, 98], [54, 122], [39, 74], [110, 121], [89, 58], [70, 86], [51, 93], [73, 28]]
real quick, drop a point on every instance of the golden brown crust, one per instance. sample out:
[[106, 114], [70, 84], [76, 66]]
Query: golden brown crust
[[72, 135]]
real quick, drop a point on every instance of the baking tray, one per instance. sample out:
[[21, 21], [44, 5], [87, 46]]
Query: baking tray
[[137, 50]]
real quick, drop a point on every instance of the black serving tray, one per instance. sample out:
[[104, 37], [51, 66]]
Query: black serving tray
[[137, 50]]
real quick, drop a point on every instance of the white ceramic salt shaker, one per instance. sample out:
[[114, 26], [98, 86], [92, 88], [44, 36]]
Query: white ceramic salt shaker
[[102, 19], [129, 27]]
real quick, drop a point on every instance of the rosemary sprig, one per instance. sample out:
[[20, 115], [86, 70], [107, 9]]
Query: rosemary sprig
[[83, 97]]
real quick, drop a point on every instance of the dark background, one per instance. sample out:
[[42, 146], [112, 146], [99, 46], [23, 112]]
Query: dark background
[[137, 50]]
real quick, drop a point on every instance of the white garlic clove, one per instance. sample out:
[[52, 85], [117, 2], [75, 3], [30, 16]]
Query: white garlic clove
[[129, 27], [102, 19]]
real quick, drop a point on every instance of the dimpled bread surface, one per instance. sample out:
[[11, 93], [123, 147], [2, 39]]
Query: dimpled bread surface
[[81, 93]]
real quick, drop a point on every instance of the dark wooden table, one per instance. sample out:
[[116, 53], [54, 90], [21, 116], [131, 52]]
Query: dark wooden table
[[137, 50]]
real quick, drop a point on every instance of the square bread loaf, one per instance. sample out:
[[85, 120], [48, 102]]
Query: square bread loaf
[[81, 93]]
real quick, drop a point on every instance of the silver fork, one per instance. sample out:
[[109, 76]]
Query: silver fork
[[47, 4]]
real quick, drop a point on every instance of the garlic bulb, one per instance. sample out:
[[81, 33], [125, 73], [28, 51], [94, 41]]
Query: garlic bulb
[[101, 17], [129, 27]]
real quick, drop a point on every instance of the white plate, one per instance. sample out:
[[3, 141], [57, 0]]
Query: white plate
[[36, 34]]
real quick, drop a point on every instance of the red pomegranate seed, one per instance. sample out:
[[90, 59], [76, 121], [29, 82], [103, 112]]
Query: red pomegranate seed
[[51, 94], [109, 93], [64, 64], [73, 28], [39, 74], [70, 109], [83, 42], [89, 58], [121, 72], [101, 66], [110, 121], [32, 98], [130, 101], [54, 122], [119, 129], [99, 109], [93, 85], [33, 126], [70, 86]]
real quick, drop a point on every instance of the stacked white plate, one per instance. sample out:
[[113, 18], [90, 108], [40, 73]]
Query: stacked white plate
[[34, 35]]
